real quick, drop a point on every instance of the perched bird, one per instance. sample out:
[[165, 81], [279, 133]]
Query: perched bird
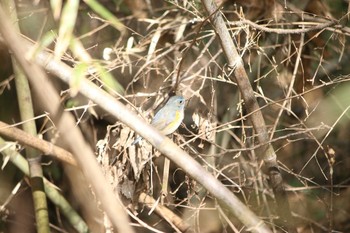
[[169, 117]]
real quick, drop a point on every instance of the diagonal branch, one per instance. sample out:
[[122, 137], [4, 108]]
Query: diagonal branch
[[159, 141], [162, 143], [240, 76], [34, 142], [70, 134]]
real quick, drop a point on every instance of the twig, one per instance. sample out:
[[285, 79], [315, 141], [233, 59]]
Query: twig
[[70, 134], [240, 76], [37, 143], [159, 141], [26, 111], [51, 191], [317, 27], [165, 213]]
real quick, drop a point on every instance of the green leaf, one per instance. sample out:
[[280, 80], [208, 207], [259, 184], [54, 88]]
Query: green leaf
[[107, 15], [79, 73], [65, 32], [56, 6], [111, 84]]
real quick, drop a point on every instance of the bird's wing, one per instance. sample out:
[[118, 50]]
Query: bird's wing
[[162, 119]]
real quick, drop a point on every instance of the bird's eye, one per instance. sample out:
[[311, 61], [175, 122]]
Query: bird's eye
[[181, 101]]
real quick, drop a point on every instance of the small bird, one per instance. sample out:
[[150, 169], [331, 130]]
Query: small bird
[[169, 117]]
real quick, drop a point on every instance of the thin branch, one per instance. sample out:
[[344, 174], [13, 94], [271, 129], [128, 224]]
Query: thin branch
[[165, 213], [46, 147], [239, 75], [159, 141], [317, 27], [51, 190], [70, 134], [26, 111]]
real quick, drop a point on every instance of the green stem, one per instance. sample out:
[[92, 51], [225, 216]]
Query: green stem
[[33, 156], [51, 191]]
